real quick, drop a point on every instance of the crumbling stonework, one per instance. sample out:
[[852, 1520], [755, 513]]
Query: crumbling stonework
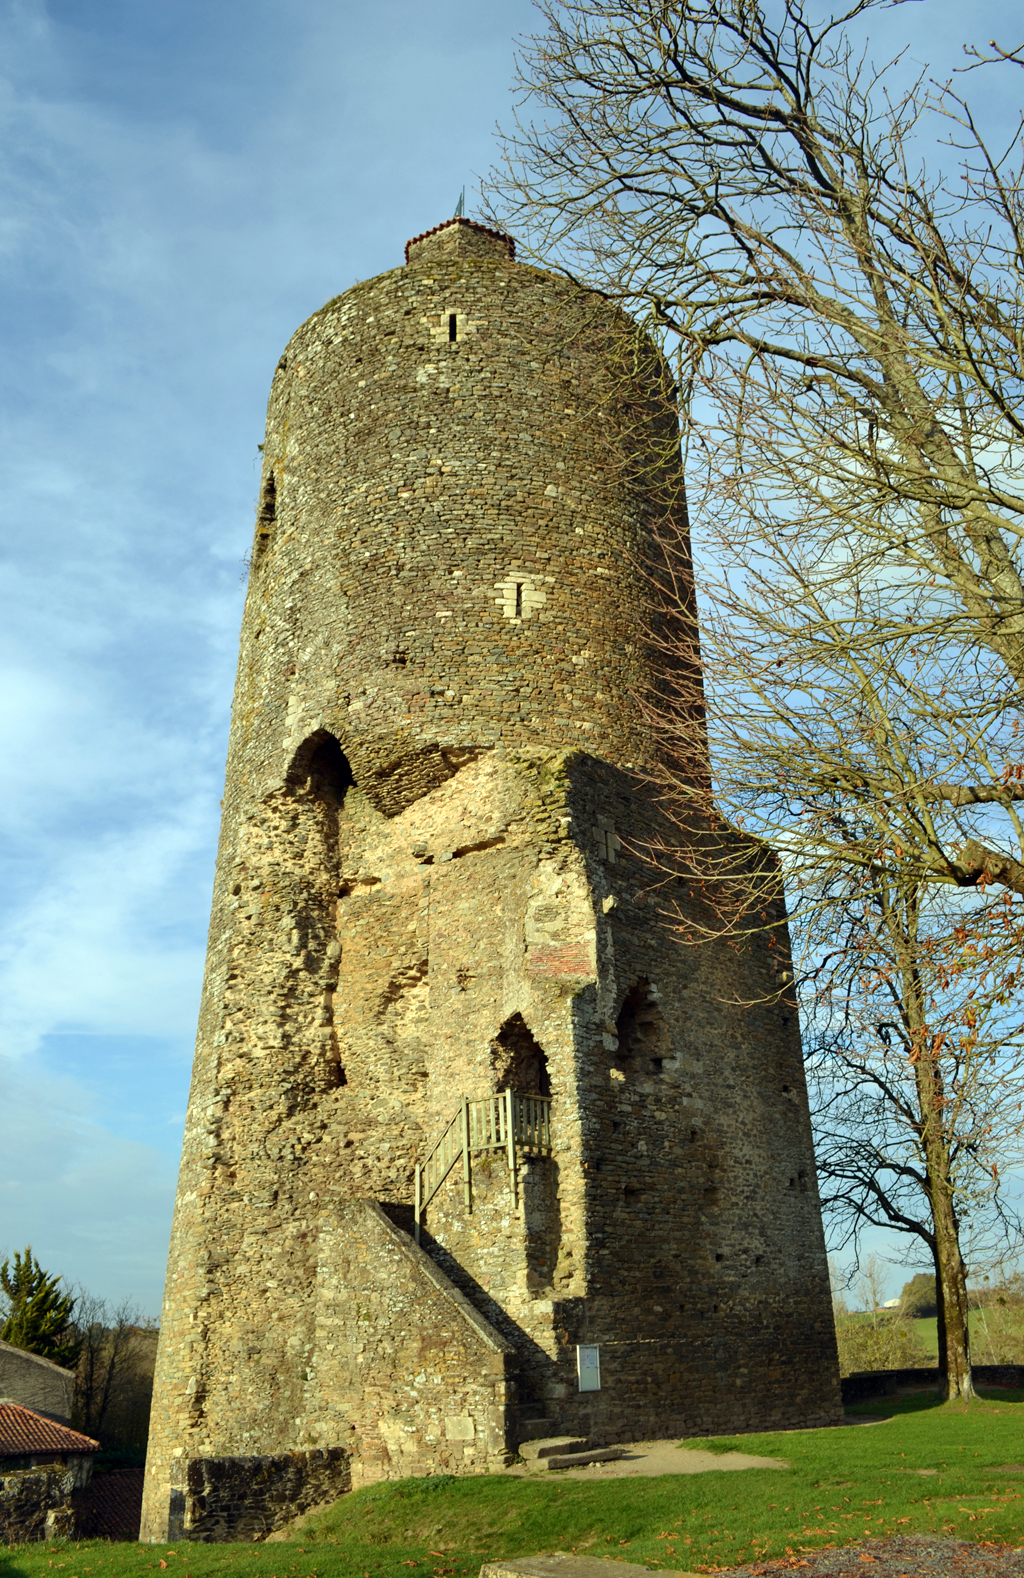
[[36, 1504], [432, 884]]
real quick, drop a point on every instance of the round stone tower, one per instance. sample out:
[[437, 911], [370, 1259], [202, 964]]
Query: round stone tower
[[477, 1150], [450, 543]]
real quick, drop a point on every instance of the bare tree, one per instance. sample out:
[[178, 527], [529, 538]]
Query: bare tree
[[846, 331], [847, 328], [915, 1059], [873, 1337], [114, 1375]]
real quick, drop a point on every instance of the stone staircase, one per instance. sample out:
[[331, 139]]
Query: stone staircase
[[544, 1453], [540, 1448]]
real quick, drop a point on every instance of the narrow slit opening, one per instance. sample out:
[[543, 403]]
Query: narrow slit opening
[[519, 599], [453, 326], [266, 513]]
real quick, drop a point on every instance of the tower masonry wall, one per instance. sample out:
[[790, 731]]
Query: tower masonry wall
[[434, 882], [448, 543]]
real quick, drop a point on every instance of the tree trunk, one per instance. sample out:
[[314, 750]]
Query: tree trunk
[[940, 1314], [950, 1272], [951, 1279]]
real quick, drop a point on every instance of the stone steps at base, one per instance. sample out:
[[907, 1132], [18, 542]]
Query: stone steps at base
[[550, 1446], [581, 1459]]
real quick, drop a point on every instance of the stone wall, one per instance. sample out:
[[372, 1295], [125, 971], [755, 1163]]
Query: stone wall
[[36, 1383], [247, 1498], [35, 1504], [405, 1371], [677, 1226], [448, 547], [865, 1384]]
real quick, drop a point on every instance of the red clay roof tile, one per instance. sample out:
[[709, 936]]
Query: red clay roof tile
[[24, 1433]]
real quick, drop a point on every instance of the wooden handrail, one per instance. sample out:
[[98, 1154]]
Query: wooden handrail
[[506, 1122]]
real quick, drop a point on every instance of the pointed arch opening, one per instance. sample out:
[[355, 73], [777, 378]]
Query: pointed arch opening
[[518, 1060], [321, 766]]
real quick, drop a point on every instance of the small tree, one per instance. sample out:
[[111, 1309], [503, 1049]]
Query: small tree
[[998, 1335], [38, 1314], [875, 1338]]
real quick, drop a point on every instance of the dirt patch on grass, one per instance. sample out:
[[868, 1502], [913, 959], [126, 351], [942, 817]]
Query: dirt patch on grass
[[650, 1458], [912, 1556]]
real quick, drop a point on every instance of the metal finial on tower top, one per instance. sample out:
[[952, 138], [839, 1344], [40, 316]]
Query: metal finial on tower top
[[460, 206]]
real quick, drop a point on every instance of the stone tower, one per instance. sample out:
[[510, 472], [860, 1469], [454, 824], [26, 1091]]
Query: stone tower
[[436, 973]]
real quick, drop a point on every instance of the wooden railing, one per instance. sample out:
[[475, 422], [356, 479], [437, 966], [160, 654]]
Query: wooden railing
[[517, 1125]]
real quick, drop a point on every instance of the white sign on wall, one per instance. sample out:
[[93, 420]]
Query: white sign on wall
[[588, 1366]]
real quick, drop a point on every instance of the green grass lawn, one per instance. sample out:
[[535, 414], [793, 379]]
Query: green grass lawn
[[929, 1467]]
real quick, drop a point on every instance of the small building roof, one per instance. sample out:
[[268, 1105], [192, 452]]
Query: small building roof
[[34, 1358], [24, 1433]]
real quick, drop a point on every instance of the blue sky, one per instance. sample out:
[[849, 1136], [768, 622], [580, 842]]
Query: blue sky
[[182, 184]]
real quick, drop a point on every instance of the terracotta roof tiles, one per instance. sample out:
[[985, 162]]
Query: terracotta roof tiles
[[24, 1433]]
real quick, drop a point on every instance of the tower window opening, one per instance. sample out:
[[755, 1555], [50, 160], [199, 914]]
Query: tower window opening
[[640, 1029], [519, 599], [322, 765], [453, 326], [518, 1059], [266, 514]]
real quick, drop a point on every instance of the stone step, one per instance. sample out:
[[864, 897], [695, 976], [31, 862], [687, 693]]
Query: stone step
[[560, 1566], [581, 1459], [548, 1446]]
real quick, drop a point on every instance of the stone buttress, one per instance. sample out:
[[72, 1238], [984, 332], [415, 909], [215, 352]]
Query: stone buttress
[[431, 887]]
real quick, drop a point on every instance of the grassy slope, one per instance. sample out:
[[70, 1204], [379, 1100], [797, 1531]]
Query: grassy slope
[[981, 1321], [841, 1485], [927, 1335]]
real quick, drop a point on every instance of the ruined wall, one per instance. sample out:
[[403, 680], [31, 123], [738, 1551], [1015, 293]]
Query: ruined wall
[[35, 1504], [217, 1499]]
